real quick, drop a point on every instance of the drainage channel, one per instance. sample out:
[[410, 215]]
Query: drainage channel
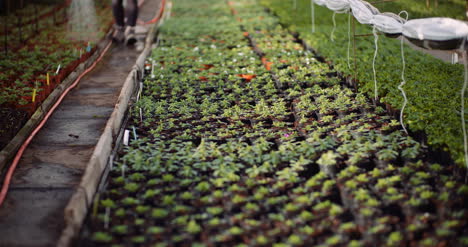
[[53, 165]]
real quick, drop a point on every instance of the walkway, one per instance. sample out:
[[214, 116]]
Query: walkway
[[53, 164]]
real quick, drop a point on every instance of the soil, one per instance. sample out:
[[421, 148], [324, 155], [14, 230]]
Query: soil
[[11, 121]]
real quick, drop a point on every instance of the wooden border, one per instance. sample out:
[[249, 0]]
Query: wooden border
[[77, 208], [9, 151]]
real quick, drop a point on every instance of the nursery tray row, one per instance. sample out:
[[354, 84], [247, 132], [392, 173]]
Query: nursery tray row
[[432, 86], [241, 137]]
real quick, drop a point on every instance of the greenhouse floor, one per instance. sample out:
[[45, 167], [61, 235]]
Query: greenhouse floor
[[52, 166]]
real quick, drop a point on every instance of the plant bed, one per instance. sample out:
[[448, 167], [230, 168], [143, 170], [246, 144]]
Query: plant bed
[[36, 68], [218, 159]]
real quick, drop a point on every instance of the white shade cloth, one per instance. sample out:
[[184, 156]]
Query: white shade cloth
[[338, 6], [388, 23], [320, 2], [437, 29], [363, 11]]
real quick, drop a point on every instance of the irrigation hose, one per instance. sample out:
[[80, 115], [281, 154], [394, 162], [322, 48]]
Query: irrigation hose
[[161, 11], [19, 154], [312, 15], [376, 43], [332, 34]]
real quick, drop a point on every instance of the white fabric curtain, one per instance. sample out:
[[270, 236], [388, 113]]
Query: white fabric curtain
[[363, 11], [388, 23], [338, 6], [437, 29]]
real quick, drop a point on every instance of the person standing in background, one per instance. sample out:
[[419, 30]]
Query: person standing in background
[[124, 32]]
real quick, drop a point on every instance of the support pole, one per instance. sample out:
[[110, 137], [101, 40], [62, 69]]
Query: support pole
[[36, 18], [354, 53], [20, 23], [466, 10], [5, 26]]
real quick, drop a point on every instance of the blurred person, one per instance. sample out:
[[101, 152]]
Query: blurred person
[[124, 30]]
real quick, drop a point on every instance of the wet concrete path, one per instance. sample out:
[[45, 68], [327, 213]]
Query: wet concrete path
[[52, 165]]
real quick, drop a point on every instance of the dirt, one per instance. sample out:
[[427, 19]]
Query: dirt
[[11, 121]]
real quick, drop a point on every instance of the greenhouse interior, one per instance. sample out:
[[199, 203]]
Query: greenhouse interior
[[209, 123]]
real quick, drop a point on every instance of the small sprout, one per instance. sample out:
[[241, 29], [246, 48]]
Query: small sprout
[[262, 240], [322, 205], [181, 209], [335, 210], [328, 159], [372, 202], [377, 229], [150, 194], [308, 230], [119, 180], [328, 185], [394, 239], [155, 230], [423, 175], [291, 207], [450, 184], [137, 177], [215, 210], [392, 190], [407, 170], [306, 215], [120, 229], [218, 194], [280, 245], [138, 239], [120, 212], [159, 213], [108, 203], [376, 172], [304, 199], [333, 240], [387, 154], [427, 195], [193, 227], [102, 237], [168, 178], [235, 230], [237, 199], [436, 167], [203, 186], [362, 178], [295, 240], [252, 207], [130, 201], [463, 190], [351, 184], [355, 243], [186, 195], [168, 200], [214, 222], [142, 209], [366, 212], [198, 245], [414, 202], [153, 181], [181, 220], [348, 226]]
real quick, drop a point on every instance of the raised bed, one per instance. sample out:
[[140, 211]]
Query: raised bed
[[241, 137], [31, 72], [432, 85]]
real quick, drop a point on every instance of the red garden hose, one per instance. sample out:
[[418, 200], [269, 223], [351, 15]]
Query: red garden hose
[[159, 15], [9, 175]]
